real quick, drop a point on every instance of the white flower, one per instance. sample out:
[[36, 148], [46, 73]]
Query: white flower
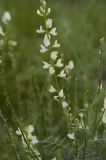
[[49, 23], [45, 65], [61, 93], [18, 132], [39, 13], [56, 98], [30, 129], [1, 31], [53, 158], [62, 74], [51, 70], [43, 49], [41, 30], [43, 3], [71, 136], [65, 104], [104, 118], [6, 17], [59, 63], [47, 40], [102, 40], [54, 55], [48, 11], [105, 103], [53, 32], [52, 89], [34, 140], [56, 44], [70, 66], [12, 43]]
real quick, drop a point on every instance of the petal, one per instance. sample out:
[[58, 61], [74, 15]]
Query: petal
[[45, 65], [39, 13], [54, 55], [51, 70], [6, 17], [52, 89], [49, 23], [59, 63], [53, 32], [30, 129], [71, 136], [47, 40]]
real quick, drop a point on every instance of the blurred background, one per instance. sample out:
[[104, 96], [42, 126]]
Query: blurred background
[[80, 23]]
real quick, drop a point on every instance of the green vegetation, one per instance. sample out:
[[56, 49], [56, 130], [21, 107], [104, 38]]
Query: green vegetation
[[24, 84]]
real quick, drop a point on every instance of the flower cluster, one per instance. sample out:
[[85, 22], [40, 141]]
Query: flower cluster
[[28, 140], [28, 133], [6, 17], [5, 42], [55, 67]]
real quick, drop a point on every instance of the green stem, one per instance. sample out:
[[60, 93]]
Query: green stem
[[9, 135], [100, 64], [95, 129], [85, 145]]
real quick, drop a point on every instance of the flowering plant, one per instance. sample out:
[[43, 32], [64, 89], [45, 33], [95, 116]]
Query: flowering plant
[[80, 134]]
